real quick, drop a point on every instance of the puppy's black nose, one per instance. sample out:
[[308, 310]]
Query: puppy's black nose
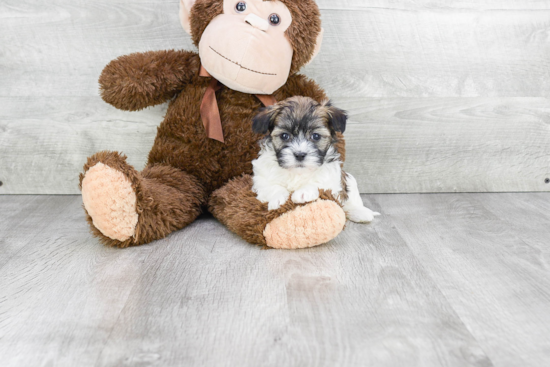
[[300, 156]]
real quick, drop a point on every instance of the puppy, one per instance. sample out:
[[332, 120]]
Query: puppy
[[299, 156]]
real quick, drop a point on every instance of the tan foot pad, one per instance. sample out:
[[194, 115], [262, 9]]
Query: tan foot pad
[[306, 226], [111, 202]]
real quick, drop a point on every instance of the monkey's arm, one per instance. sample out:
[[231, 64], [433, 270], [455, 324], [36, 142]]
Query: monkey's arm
[[133, 82]]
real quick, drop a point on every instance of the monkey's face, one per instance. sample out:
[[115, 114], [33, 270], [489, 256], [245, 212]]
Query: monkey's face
[[246, 48]]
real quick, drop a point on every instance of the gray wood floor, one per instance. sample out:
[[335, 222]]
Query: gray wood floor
[[438, 280]]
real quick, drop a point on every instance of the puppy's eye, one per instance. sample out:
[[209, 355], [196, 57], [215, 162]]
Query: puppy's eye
[[316, 137], [240, 7], [285, 136], [274, 19]]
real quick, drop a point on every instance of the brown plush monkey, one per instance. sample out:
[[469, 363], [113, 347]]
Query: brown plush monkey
[[249, 51]]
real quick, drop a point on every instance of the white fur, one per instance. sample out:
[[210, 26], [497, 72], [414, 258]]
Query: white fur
[[274, 184]]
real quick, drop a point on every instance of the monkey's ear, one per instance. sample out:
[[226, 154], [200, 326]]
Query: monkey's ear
[[264, 119], [318, 43], [185, 11], [337, 117]]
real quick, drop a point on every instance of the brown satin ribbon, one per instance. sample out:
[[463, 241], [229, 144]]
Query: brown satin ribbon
[[210, 112], [266, 99]]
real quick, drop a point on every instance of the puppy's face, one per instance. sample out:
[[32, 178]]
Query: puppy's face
[[301, 131]]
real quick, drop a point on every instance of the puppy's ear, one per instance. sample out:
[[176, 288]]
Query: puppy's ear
[[337, 118], [264, 119]]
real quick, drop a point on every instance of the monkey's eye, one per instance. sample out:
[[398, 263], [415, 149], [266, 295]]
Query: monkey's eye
[[240, 7], [316, 137], [285, 136], [274, 19]]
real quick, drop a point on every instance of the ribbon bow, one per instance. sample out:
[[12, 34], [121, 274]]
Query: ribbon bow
[[210, 113]]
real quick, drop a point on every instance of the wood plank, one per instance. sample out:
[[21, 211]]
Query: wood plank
[[448, 144], [394, 145], [393, 49], [425, 52], [319, 307], [489, 256], [60, 48], [24, 215], [436, 4], [203, 297], [62, 291], [44, 142]]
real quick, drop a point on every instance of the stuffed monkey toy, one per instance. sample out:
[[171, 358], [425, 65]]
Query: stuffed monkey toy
[[249, 55]]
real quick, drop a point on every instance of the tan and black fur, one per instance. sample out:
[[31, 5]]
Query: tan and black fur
[[301, 115]]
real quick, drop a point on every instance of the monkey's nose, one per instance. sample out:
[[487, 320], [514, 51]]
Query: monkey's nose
[[300, 156], [257, 22]]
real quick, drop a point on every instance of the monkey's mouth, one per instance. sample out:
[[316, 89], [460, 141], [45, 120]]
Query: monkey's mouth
[[244, 67]]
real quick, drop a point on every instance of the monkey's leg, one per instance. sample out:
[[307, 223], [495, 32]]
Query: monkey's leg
[[291, 226], [128, 208]]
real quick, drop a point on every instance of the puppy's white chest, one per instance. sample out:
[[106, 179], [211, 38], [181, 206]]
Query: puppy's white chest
[[327, 177], [267, 173]]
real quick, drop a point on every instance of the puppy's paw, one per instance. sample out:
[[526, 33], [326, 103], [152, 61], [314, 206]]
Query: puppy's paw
[[305, 195], [278, 199], [361, 215]]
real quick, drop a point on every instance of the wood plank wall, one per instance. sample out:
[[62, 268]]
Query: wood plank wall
[[444, 95]]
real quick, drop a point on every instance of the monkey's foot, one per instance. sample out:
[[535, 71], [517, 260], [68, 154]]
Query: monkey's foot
[[306, 226], [109, 197], [291, 226]]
